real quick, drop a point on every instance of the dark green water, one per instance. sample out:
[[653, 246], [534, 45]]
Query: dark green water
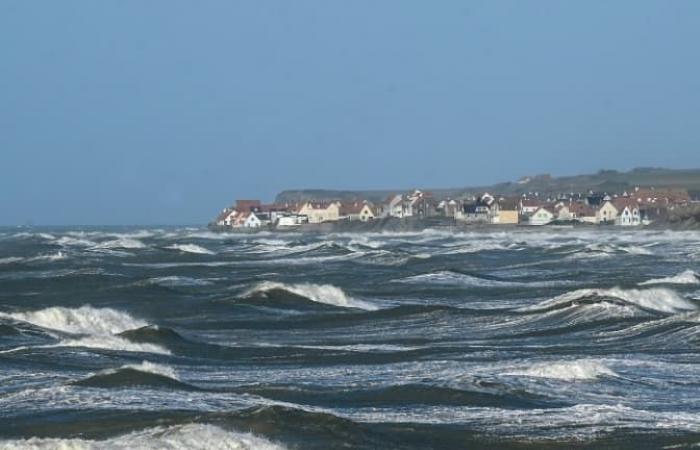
[[182, 338]]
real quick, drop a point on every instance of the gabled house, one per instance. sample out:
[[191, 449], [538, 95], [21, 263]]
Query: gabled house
[[543, 216], [507, 212], [606, 213], [319, 212], [421, 204], [358, 210], [628, 212], [582, 212], [225, 219], [529, 205]]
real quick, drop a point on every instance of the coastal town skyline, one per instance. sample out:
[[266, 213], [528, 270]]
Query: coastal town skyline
[[609, 198]]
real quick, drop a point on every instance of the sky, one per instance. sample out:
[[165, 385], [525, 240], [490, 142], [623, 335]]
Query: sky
[[166, 111]]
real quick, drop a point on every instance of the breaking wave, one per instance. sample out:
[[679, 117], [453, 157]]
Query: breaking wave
[[190, 436], [319, 293], [685, 277], [89, 327], [120, 243], [655, 299], [190, 248], [580, 370]]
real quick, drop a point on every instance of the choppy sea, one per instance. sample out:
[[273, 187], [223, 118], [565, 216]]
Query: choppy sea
[[185, 338]]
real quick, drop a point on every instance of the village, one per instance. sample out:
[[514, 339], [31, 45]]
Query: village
[[639, 207]]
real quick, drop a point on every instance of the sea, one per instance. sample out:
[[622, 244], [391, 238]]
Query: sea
[[184, 338]]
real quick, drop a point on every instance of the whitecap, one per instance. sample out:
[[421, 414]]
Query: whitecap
[[320, 293], [89, 327], [654, 299], [685, 277], [146, 367], [122, 242], [190, 248], [186, 437], [579, 370], [11, 260], [177, 281]]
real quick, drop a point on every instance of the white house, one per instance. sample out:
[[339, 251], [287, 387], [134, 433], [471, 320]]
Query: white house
[[291, 220], [542, 216], [628, 212], [226, 217]]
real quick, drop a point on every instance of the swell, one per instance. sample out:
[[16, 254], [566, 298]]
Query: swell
[[401, 396], [653, 300], [143, 375], [324, 294]]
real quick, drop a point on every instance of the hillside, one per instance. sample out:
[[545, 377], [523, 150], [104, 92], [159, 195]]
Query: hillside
[[603, 181]]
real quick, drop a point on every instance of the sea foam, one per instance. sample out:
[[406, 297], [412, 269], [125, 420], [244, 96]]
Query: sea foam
[[89, 327], [579, 370], [190, 436]]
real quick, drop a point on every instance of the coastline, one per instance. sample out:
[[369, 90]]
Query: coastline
[[409, 224]]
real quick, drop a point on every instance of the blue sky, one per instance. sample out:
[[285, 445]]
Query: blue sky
[[156, 112]]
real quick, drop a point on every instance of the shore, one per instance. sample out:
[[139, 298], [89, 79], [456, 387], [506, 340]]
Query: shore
[[410, 224]]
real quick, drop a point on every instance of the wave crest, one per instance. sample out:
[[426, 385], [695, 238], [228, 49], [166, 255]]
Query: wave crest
[[319, 293], [685, 277], [90, 327], [579, 370], [655, 299], [190, 436], [190, 248]]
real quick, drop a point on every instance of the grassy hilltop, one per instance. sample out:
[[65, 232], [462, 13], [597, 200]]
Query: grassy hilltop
[[603, 181]]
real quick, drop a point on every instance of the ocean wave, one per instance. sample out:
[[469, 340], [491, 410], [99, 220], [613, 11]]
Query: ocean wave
[[319, 293], [448, 277], [616, 249], [82, 320], [177, 281], [143, 374], [11, 260], [654, 299], [579, 370], [120, 243], [89, 327], [685, 277], [190, 248], [190, 436], [68, 241]]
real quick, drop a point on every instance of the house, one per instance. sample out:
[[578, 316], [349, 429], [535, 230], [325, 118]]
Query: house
[[507, 212], [529, 205], [225, 219], [394, 206], [247, 219], [628, 212], [319, 212], [606, 213], [421, 204], [582, 212], [543, 216], [448, 208], [484, 209], [357, 211], [290, 220]]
